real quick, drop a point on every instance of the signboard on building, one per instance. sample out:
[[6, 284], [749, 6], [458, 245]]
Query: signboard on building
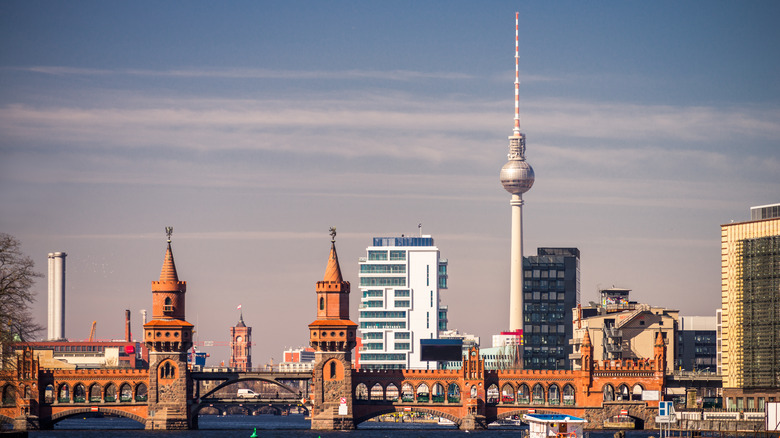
[[651, 395]]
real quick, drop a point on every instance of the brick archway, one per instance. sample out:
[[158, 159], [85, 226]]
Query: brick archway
[[59, 416], [392, 409], [246, 379]]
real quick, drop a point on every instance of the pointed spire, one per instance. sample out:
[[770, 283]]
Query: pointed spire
[[241, 320], [168, 272], [586, 339], [333, 270], [659, 340]]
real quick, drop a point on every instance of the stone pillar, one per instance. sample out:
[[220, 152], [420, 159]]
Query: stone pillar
[[332, 381], [170, 393]]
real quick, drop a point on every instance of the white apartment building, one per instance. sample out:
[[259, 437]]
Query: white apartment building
[[400, 280]]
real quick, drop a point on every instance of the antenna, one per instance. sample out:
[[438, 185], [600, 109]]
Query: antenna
[[516, 130]]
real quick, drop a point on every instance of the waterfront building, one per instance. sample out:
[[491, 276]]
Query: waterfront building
[[89, 354], [696, 344], [621, 329], [750, 309], [400, 281], [241, 346], [551, 290], [297, 359], [517, 177]]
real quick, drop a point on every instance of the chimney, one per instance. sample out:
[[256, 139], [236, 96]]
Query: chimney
[[56, 321], [128, 336], [143, 316]]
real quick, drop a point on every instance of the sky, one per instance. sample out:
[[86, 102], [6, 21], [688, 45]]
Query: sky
[[253, 127]]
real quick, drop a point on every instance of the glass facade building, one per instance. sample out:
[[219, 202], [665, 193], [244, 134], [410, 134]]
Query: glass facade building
[[551, 289]]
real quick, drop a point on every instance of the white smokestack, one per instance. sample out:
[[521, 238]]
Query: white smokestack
[[143, 316], [57, 295]]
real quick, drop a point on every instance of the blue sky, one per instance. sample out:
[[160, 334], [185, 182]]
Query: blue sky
[[252, 127]]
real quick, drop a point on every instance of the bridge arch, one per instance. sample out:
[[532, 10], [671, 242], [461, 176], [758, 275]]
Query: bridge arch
[[6, 420], [403, 409], [59, 416], [247, 379]]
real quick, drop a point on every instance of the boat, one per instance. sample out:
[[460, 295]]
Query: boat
[[445, 422], [556, 425]]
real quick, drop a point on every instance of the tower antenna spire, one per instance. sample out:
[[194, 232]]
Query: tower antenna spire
[[516, 130]]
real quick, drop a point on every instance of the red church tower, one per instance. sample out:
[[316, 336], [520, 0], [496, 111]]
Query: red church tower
[[241, 346]]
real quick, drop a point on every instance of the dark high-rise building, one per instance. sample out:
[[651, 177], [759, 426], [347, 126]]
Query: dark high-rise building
[[551, 289]]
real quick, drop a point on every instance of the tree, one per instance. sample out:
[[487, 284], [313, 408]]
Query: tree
[[17, 277]]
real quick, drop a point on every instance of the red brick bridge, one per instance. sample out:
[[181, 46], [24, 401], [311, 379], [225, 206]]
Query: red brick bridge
[[471, 397], [165, 397]]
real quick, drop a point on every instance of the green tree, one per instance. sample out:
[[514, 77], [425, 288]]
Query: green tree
[[17, 276]]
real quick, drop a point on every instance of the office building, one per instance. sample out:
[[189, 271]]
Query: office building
[[400, 281], [696, 344], [622, 329], [750, 309], [551, 290]]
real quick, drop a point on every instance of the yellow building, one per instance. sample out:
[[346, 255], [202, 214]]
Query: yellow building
[[750, 294]]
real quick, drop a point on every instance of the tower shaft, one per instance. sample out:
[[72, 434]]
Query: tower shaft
[[516, 266]]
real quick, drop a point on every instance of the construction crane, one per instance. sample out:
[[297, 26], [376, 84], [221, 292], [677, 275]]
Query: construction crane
[[92, 331]]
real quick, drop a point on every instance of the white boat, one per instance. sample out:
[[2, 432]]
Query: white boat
[[445, 422], [554, 425]]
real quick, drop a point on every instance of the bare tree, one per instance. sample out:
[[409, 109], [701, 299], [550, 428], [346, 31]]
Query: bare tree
[[17, 277]]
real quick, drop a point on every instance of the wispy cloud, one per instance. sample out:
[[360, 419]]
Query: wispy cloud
[[238, 73]]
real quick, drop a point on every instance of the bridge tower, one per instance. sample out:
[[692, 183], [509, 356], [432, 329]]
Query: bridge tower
[[241, 346], [332, 336], [168, 336]]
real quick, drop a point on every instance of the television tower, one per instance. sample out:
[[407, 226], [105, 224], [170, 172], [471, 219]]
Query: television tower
[[517, 177]]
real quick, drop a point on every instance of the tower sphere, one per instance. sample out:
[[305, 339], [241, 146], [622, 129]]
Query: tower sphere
[[517, 176]]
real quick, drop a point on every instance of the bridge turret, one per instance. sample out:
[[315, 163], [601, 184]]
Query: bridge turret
[[333, 337], [168, 337]]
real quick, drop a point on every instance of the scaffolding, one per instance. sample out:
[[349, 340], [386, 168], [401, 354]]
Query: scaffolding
[[761, 311]]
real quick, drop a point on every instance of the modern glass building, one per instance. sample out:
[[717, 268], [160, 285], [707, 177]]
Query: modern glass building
[[750, 309], [400, 280], [551, 289]]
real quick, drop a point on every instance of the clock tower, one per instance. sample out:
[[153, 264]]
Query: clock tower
[[241, 346]]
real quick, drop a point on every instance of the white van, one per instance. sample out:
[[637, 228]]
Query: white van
[[247, 393]]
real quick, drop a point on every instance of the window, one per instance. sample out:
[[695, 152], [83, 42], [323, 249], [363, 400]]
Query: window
[[373, 303], [402, 335], [383, 324], [427, 319], [401, 345], [383, 356], [382, 281], [332, 369], [373, 294], [431, 298], [427, 275], [377, 255], [322, 303], [402, 293], [168, 307], [397, 255], [382, 314], [382, 269], [402, 303], [373, 335]]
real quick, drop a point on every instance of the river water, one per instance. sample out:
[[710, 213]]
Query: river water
[[270, 426]]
